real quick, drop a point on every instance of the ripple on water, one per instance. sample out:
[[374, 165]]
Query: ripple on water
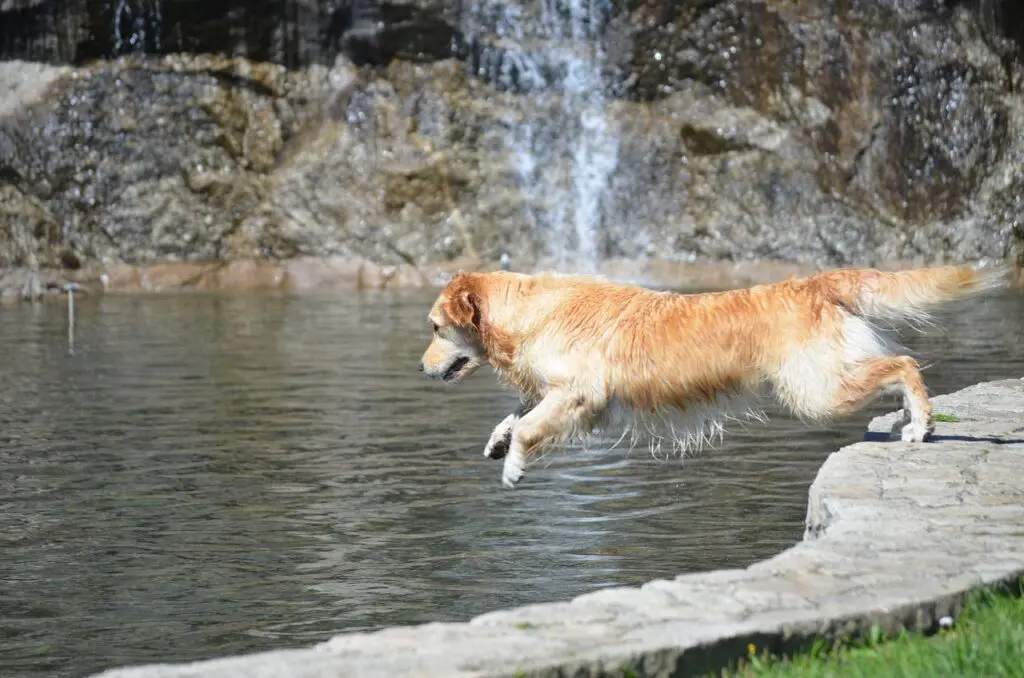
[[214, 474]]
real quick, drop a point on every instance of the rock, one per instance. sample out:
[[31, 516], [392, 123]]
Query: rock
[[299, 274], [936, 144], [32, 237], [292, 33], [24, 84], [897, 536], [25, 284], [415, 134]]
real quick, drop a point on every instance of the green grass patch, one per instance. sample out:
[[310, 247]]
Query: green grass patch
[[524, 625], [986, 640], [945, 417]]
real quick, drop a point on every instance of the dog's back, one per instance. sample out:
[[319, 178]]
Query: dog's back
[[819, 343], [905, 296]]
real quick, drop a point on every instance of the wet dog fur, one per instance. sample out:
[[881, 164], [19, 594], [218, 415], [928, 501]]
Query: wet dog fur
[[587, 354]]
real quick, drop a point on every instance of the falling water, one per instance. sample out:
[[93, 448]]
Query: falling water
[[563, 148], [133, 20], [120, 10]]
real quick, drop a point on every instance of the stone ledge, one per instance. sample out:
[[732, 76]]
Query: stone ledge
[[308, 274], [897, 534], [349, 274]]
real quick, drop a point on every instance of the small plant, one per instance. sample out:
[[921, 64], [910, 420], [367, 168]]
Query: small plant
[[945, 417], [876, 636], [524, 625]]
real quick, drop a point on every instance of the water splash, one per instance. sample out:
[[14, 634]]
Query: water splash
[[563, 147]]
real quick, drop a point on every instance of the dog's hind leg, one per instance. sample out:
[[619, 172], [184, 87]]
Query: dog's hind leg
[[559, 416], [828, 379], [878, 374], [501, 437]]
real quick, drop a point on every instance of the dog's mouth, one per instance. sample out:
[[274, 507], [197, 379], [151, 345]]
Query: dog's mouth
[[456, 367]]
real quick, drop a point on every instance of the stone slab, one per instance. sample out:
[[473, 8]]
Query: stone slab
[[897, 534]]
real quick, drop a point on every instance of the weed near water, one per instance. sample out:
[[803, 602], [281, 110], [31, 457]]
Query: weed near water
[[987, 640]]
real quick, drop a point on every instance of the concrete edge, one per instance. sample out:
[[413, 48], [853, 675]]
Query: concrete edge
[[897, 535]]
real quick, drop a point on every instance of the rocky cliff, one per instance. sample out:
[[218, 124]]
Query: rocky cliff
[[819, 132]]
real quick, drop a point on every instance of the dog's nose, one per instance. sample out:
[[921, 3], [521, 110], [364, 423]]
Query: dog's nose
[[420, 366]]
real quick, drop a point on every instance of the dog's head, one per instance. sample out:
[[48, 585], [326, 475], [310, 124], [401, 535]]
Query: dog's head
[[457, 348]]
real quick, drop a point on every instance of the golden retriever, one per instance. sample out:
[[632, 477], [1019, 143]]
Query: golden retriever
[[586, 353]]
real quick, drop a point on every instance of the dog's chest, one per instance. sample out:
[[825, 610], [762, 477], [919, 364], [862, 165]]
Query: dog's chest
[[524, 376]]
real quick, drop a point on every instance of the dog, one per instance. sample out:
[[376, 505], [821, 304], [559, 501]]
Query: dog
[[586, 353]]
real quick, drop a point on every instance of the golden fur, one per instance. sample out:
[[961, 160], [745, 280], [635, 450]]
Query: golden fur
[[584, 353]]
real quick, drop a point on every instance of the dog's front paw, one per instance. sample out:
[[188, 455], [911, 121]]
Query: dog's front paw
[[501, 438], [916, 432], [512, 472], [497, 449]]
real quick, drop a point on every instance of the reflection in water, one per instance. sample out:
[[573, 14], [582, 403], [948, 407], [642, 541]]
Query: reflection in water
[[218, 474]]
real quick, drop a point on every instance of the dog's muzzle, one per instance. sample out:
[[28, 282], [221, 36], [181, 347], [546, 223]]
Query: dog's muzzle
[[454, 369], [448, 374]]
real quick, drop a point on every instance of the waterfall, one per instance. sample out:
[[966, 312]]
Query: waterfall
[[133, 21], [120, 10], [563, 148]]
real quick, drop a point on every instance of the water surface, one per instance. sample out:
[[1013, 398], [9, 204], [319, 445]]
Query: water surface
[[215, 474]]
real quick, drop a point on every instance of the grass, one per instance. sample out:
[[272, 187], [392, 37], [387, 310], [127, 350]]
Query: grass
[[945, 417], [986, 641]]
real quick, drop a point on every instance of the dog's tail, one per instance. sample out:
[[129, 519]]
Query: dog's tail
[[909, 296]]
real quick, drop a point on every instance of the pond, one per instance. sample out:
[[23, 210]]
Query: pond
[[214, 474]]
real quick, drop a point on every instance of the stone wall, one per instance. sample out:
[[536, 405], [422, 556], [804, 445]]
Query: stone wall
[[818, 133]]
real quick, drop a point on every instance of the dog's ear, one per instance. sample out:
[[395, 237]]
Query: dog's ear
[[464, 309], [463, 305]]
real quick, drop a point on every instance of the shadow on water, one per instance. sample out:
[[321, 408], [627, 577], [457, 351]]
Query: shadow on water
[[218, 474]]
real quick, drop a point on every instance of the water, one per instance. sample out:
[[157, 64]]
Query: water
[[130, 21], [220, 474], [563, 148]]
